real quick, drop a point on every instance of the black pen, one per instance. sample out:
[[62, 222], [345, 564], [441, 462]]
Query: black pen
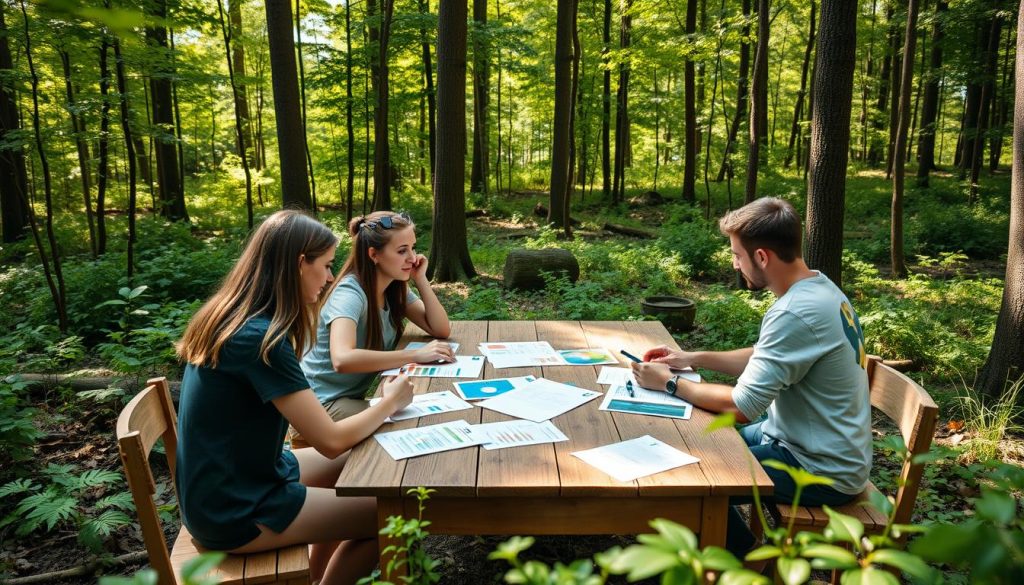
[[630, 356], [629, 388]]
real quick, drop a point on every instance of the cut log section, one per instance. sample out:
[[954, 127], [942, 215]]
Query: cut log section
[[523, 267]]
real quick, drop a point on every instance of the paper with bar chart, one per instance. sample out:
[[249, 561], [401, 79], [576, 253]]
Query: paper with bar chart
[[429, 439], [619, 376], [425, 404], [518, 354], [644, 401], [517, 433], [465, 366]]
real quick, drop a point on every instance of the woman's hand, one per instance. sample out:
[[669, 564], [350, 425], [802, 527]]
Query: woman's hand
[[419, 268], [435, 351], [677, 359], [398, 392], [652, 376]]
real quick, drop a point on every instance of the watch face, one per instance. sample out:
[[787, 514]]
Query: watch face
[[670, 386]]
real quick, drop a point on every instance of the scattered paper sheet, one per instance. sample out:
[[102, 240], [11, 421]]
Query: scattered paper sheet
[[619, 376], [431, 403], [430, 439], [539, 400], [482, 389], [517, 433], [645, 401], [587, 357], [521, 354], [465, 366], [635, 458], [418, 344]]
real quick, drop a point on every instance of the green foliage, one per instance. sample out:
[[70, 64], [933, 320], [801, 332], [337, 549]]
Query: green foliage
[[420, 569], [989, 422], [61, 498], [18, 432], [137, 350]]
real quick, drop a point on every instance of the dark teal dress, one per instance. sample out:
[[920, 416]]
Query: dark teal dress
[[232, 471]]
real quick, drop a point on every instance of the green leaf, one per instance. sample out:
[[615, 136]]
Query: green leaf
[[742, 577], [948, 543], [678, 537], [869, 576], [996, 506], [904, 561], [137, 291], [510, 549], [719, 559], [881, 502], [767, 551], [843, 527], [18, 486], [724, 420], [195, 570], [642, 561], [837, 557], [679, 576], [793, 571], [800, 477]]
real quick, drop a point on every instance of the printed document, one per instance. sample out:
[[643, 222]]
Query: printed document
[[465, 366], [619, 376], [635, 458], [521, 354], [587, 357], [644, 401], [539, 400], [517, 433], [425, 440], [424, 404], [481, 389], [418, 344]]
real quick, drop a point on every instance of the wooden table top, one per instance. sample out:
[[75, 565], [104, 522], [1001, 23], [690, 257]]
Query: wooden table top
[[549, 470]]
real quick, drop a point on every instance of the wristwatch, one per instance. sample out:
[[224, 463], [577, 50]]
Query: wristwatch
[[671, 386]]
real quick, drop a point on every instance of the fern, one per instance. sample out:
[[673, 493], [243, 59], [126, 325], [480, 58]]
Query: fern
[[49, 507], [94, 530], [97, 478], [102, 395], [18, 486], [119, 501]]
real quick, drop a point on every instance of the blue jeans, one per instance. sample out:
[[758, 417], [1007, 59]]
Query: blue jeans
[[739, 538]]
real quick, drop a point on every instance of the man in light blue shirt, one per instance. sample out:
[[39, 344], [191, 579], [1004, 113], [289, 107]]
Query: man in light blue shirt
[[807, 371]]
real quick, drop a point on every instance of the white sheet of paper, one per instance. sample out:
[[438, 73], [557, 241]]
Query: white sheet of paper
[[465, 366], [517, 433], [482, 389], [644, 401], [539, 400], [418, 344], [431, 403], [429, 439], [619, 376], [635, 458], [520, 354]]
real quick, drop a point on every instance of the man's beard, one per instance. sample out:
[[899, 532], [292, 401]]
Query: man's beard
[[754, 285]]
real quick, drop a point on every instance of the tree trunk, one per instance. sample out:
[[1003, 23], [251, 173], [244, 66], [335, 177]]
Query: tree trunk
[[238, 62], [690, 156], [558, 218], [1002, 106], [382, 172], [239, 120], [794, 130], [349, 130], [606, 105], [757, 88], [449, 249], [171, 201], [1005, 361], [129, 147], [899, 152], [930, 102], [884, 81], [478, 178], [742, 94], [832, 93], [986, 100], [13, 178], [81, 146], [428, 76], [291, 146], [894, 97], [302, 100], [102, 166], [622, 110]]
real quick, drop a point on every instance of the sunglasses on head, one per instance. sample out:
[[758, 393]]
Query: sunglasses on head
[[387, 222]]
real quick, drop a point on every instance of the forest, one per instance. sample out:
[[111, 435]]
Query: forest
[[141, 142]]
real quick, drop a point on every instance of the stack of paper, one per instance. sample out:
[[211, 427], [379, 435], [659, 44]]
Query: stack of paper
[[635, 458], [518, 354], [481, 389], [540, 400], [619, 376], [431, 403], [465, 366], [430, 439], [644, 401]]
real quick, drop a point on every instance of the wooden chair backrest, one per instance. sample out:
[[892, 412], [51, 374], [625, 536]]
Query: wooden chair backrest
[[908, 405], [148, 417]]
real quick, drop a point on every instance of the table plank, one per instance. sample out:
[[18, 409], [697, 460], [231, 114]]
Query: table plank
[[376, 473], [725, 459], [523, 471], [685, 480], [586, 426], [452, 473]]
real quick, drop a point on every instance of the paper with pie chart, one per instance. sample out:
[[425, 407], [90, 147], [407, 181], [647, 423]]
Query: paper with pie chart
[[481, 389]]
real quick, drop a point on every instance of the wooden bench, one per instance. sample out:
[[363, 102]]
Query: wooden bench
[[914, 412], [151, 416]]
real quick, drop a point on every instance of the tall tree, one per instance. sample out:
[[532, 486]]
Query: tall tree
[[241, 94], [349, 128], [899, 153], [103, 155], [449, 247], [171, 202], [1005, 362], [13, 178], [986, 100], [690, 148], [832, 93], [621, 104], [382, 169], [428, 89], [794, 130], [742, 95], [930, 102], [129, 148], [558, 215], [239, 119], [478, 177], [81, 143], [606, 103], [302, 96], [285, 81], [759, 89]]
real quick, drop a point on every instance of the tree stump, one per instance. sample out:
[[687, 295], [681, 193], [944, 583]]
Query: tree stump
[[523, 267]]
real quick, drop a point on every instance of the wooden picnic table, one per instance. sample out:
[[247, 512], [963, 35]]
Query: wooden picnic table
[[543, 489]]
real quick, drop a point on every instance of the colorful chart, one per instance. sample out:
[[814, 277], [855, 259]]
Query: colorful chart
[[587, 357]]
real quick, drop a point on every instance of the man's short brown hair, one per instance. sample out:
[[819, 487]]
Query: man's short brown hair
[[770, 223]]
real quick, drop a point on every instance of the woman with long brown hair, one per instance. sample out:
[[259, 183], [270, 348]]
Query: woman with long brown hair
[[239, 490], [362, 316]]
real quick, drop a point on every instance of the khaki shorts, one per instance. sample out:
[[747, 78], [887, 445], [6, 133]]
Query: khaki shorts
[[337, 409]]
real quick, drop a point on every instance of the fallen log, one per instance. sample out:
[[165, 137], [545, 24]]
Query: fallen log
[[523, 267], [540, 211], [89, 568], [628, 231], [80, 383], [477, 213]]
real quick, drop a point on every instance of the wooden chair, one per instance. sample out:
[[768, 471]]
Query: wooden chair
[[908, 405], [148, 417]]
